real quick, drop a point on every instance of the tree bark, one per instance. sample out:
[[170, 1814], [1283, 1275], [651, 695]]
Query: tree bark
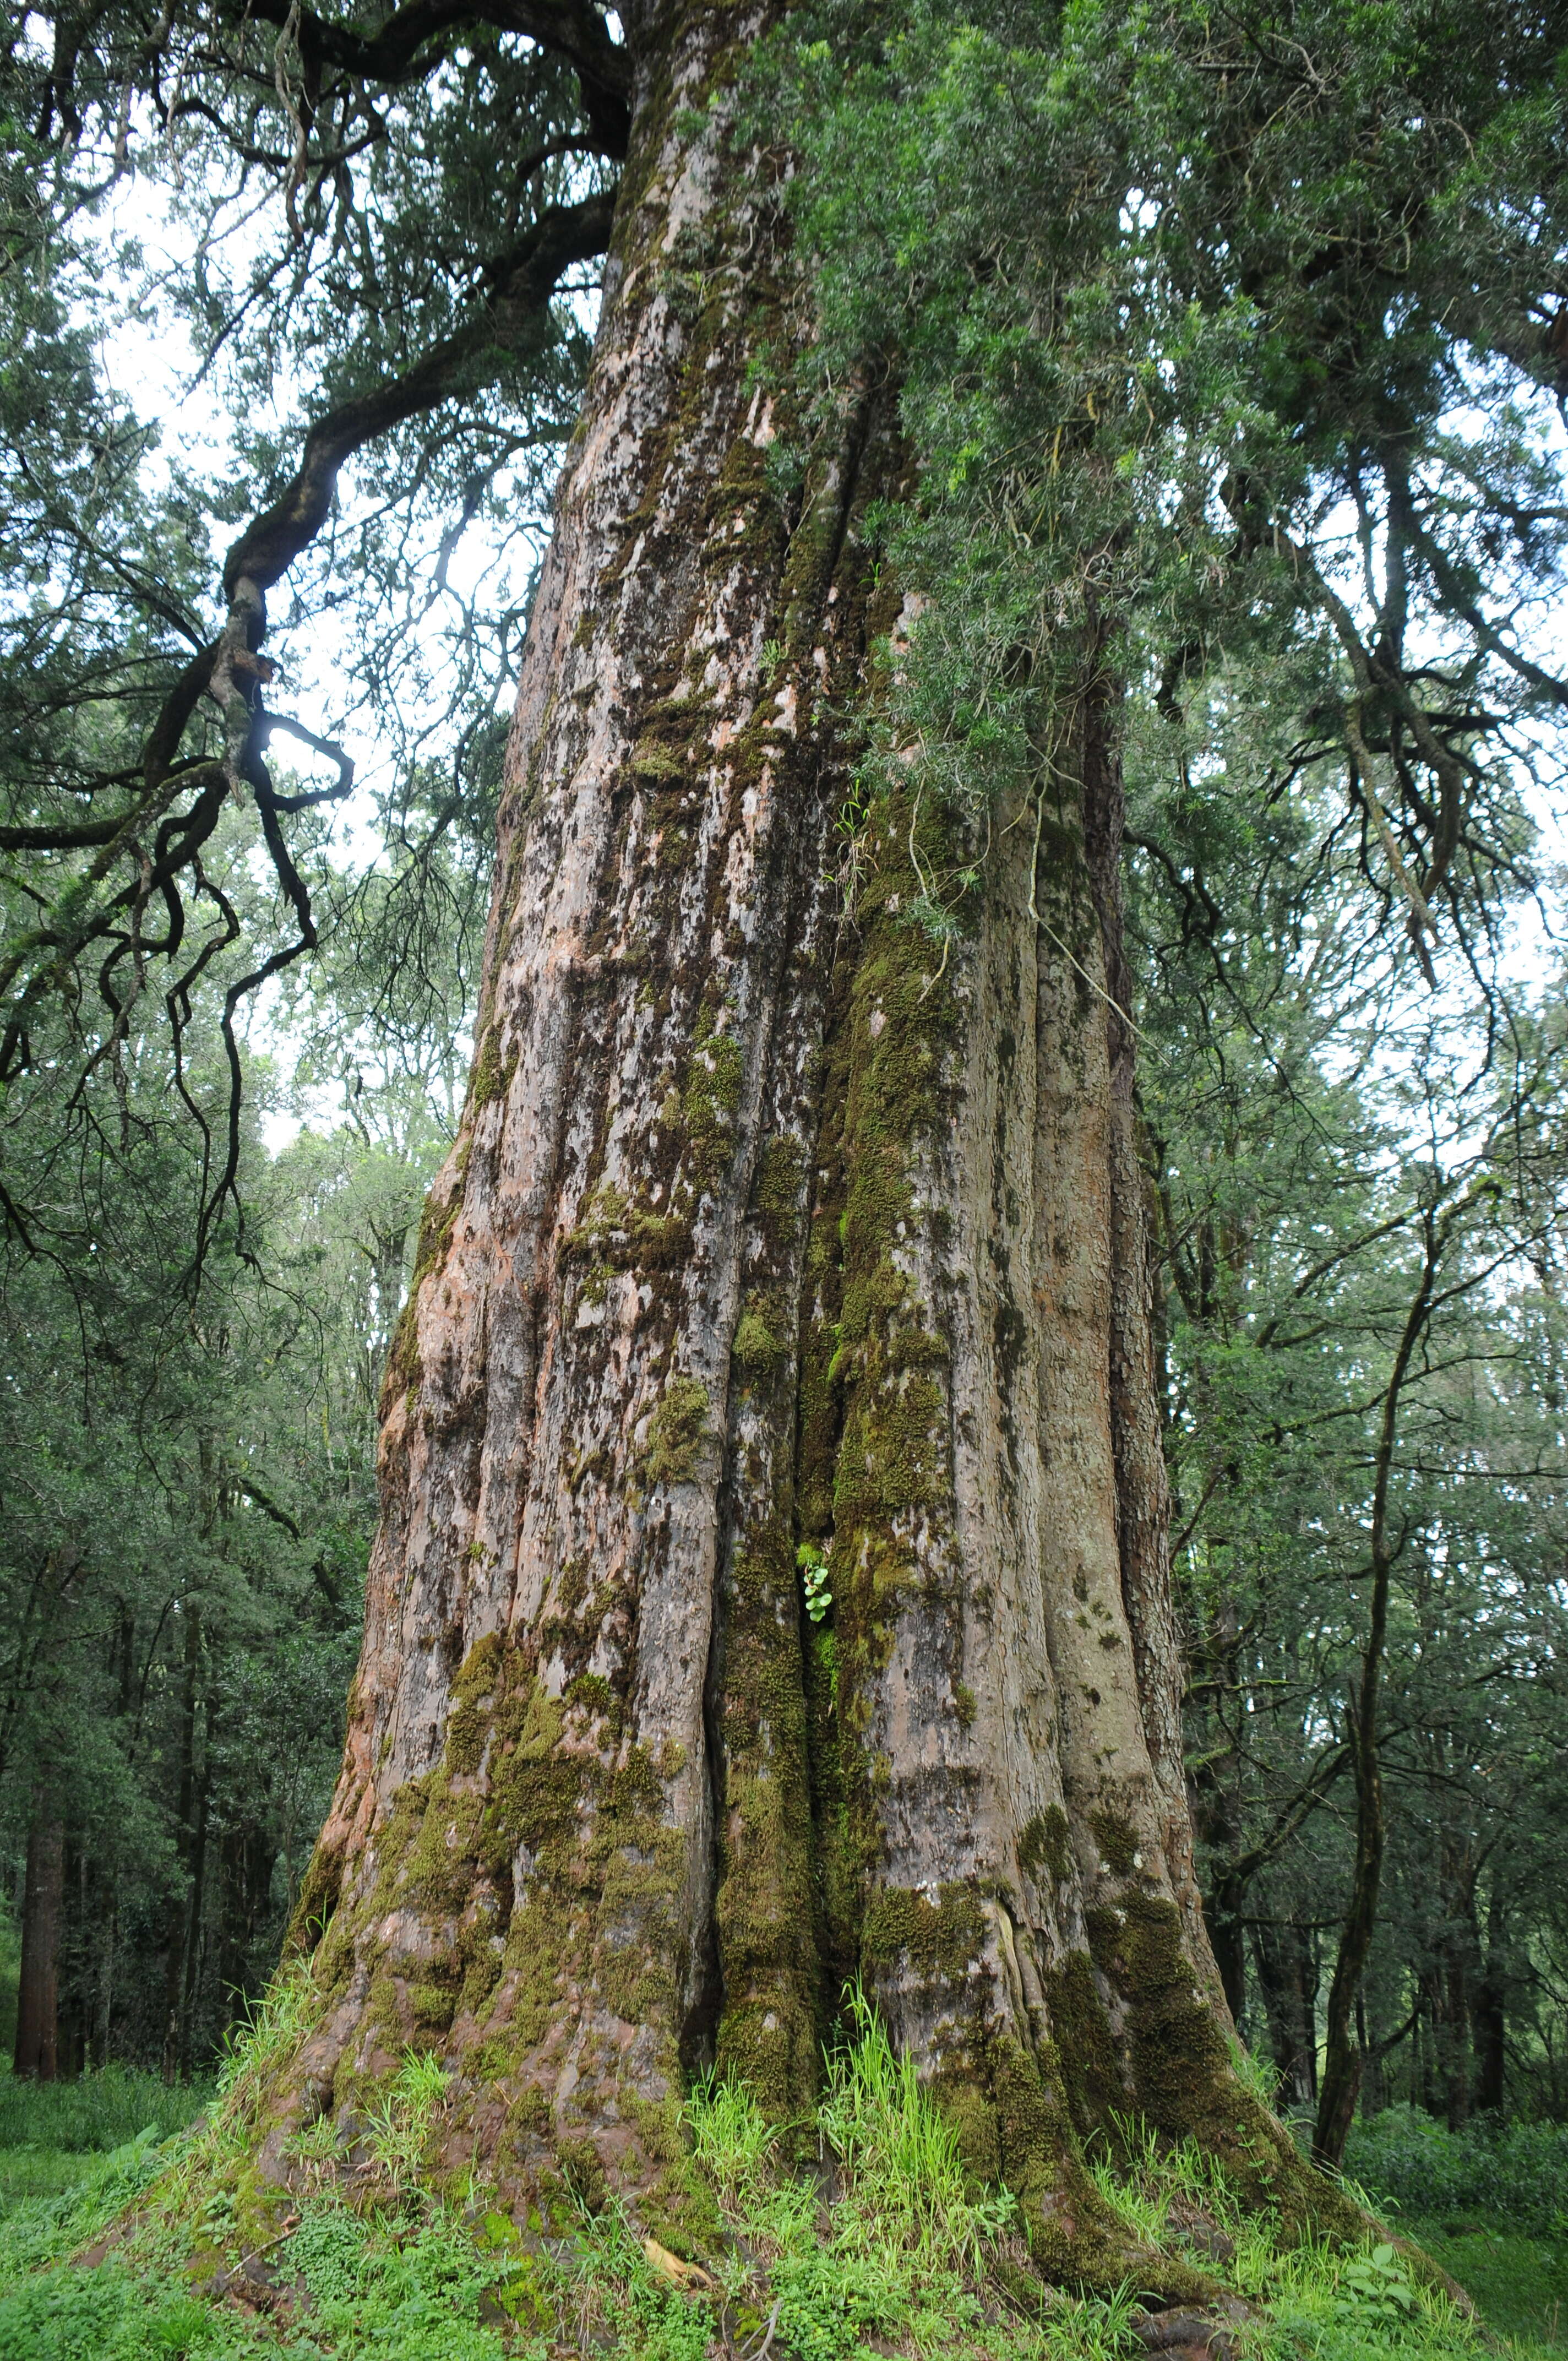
[[1287, 1980], [37, 2053], [1491, 2009], [771, 1226], [1341, 2056]]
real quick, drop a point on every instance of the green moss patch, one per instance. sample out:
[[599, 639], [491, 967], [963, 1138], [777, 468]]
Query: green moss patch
[[679, 1429]]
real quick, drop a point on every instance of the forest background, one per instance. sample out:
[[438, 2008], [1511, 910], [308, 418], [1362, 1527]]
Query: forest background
[[1354, 1129]]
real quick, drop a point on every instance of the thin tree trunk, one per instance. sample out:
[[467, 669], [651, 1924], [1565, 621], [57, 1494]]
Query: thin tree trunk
[[771, 1226], [195, 1920], [1342, 2057], [1491, 2010], [1227, 1899], [245, 1863], [178, 1919], [1371, 2091], [104, 2010], [37, 2053], [1456, 2039], [1288, 1981]]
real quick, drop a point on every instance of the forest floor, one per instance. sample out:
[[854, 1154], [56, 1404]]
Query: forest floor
[[53, 2133], [910, 2262], [1489, 2203], [1518, 2284]]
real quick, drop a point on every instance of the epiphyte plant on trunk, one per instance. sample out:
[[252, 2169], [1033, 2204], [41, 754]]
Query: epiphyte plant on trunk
[[797, 1205]]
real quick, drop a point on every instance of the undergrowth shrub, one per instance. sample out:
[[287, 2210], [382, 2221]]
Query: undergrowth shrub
[[1517, 2171], [395, 2289], [109, 2314], [101, 2110]]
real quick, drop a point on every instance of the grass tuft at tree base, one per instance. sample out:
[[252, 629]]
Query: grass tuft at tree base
[[884, 2248]]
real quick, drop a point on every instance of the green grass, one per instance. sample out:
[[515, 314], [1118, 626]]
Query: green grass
[[29, 2172], [897, 2246], [886, 2249], [50, 2132], [1518, 2284], [1310, 2301], [100, 2112], [1489, 2203]]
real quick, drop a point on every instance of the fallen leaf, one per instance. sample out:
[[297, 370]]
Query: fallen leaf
[[684, 2275]]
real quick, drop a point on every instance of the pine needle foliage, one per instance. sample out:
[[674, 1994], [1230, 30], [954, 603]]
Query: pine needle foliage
[[1222, 340]]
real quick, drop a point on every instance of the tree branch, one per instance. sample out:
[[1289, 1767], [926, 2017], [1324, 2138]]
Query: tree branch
[[521, 285], [569, 31]]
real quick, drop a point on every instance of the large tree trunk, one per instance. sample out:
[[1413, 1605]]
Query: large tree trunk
[[770, 1227]]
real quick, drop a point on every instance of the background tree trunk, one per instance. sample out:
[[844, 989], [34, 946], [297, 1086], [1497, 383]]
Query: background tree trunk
[[1287, 1980], [36, 2055], [1341, 2056], [771, 1225], [181, 1909], [1491, 2009]]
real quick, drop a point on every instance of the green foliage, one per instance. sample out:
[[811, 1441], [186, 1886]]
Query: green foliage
[[813, 1580], [188, 1498], [108, 2314], [1374, 2291], [732, 2138], [1518, 2285], [1178, 381], [1340, 2308], [399, 2123], [901, 2156], [1516, 2172], [113, 604], [885, 2247], [1305, 1121], [398, 2293], [269, 2031], [102, 2110], [902, 2253], [188, 1489], [43, 2230], [609, 2289], [1256, 2074], [1309, 2298]]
